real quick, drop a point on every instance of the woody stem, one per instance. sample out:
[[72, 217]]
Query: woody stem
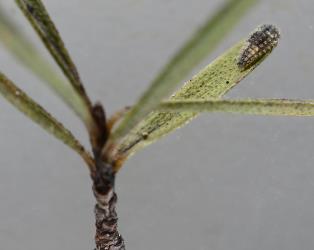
[[107, 236]]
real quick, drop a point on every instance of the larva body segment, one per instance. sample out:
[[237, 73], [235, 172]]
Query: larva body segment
[[260, 43]]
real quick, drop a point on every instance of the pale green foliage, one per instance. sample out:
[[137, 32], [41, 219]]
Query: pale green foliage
[[276, 107], [39, 18], [19, 45], [212, 82], [192, 53], [150, 118], [35, 112]]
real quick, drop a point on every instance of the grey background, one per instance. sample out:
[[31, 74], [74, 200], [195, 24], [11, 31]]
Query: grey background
[[222, 182]]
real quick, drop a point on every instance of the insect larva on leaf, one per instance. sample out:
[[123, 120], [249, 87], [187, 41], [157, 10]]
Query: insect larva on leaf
[[261, 42]]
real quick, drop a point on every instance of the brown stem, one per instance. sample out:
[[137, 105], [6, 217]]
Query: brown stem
[[107, 236], [99, 132]]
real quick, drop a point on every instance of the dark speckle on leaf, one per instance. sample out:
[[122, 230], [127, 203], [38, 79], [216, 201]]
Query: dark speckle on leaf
[[30, 8]]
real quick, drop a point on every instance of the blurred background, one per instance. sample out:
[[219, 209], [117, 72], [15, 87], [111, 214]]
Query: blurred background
[[221, 182]]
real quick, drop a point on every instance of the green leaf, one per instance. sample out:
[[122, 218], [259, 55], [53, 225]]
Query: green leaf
[[274, 107], [211, 83], [36, 113], [192, 53], [18, 44], [36, 13]]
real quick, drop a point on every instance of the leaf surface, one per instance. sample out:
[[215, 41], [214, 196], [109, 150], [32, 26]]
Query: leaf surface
[[39, 18], [38, 114], [191, 54], [273, 107], [212, 82], [20, 46]]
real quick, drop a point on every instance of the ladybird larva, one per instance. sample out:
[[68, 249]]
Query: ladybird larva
[[261, 42]]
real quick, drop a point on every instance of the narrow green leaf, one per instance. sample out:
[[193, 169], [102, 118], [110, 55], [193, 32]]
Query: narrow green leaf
[[274, 107], [192, 53], [38, 16], [35, 112], [18, 44], [211, 83]]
